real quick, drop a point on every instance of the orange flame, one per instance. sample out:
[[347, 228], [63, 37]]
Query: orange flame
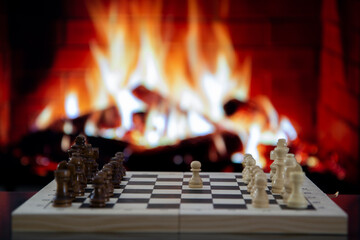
[[168, 89]]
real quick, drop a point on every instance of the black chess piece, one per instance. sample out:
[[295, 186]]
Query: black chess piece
[[121, 158], [64, 165], [103, 175], [62, 197], [108, 181], [71, 168], [79, 146], [117, 175], [79, 182], [89, 162], [98, 198]]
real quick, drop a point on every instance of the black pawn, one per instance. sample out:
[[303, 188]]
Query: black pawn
[[103, 175], [121, 158], [117, 176], [109, 172], [98, 198]]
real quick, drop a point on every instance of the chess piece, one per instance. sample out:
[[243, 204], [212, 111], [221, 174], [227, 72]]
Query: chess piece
[[288, 183], [89, 160], [116, 177], [78, 146], [121, 158], [296, 198], [257, 172], [195, 181], [280, 143], [62, 197], [253, 170], [258, 175], [247, 175], [278, 178], [244, 163], [67, 166], [98, 198], [260, 198], [79, 182], [71, 168], [273, 165], [289, 163], [95, 164], [108, 180], [103, 175]]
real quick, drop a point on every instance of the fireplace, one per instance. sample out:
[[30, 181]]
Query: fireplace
[[168, 82]]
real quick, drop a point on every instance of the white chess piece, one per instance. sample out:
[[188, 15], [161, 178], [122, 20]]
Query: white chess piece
[[247, 175], [280, 143], [278, 179], [260, 198], [195, 181], [296, 198], [273, 165], [257, 175], [244, 163], [291, 165], [254, 170], [288, 183], [289, 162]]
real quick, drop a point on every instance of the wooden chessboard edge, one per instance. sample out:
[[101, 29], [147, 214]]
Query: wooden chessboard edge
[[94, 223], [251, 224]]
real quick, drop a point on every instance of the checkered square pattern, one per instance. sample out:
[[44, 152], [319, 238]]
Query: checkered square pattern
[[171, 191]]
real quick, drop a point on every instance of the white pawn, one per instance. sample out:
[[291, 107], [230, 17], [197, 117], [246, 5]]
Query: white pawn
[[258, 174], [273, 165], [254, 170], [244, 163], [280, 143], [195, 181], [296, 198], [289, 162], [260, 198], [288, 183], [247, 175], [291, 165]]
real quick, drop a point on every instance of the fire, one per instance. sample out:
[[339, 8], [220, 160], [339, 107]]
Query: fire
[[165, 89], [72, 106], [44, 118]]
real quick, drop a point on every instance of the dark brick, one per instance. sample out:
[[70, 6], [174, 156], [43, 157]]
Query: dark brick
[[336, 135], [331, 38], [72, 58], [277, 8], [295, 33], [340, 101], [80, 32]]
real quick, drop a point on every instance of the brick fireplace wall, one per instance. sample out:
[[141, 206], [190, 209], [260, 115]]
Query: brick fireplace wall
[[339, 82]]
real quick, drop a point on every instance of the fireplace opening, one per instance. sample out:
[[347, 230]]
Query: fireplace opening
[[169, 82]]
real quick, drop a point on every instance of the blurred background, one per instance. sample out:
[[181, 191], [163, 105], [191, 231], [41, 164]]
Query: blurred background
[[169, 82]]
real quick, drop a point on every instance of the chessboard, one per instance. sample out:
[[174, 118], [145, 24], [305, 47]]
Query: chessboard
[[163, 202]]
